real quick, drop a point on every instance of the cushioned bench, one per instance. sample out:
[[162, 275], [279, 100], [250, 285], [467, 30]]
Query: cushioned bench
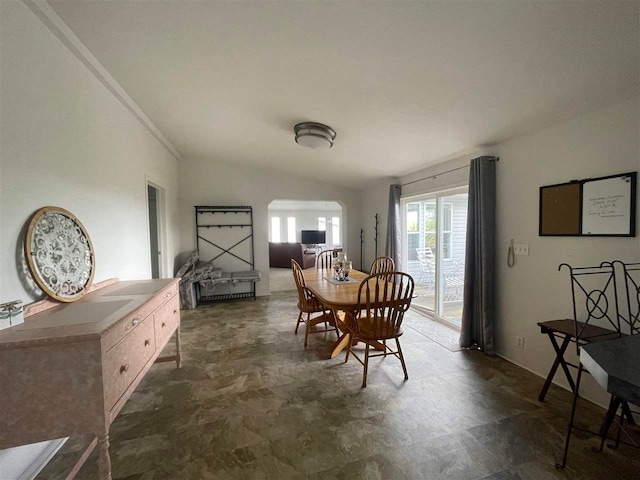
[[208, 278]]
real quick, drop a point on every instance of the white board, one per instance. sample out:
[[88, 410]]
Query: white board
[[606, 206]]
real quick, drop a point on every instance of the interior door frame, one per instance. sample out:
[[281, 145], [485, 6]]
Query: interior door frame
[[162, 229], [438, 287]]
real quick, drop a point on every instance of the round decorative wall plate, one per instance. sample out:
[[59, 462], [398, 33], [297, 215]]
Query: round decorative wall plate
[[59, 254]]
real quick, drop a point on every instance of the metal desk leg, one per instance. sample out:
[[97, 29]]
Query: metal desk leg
[[614, 404], [626, 411], [558, 361]]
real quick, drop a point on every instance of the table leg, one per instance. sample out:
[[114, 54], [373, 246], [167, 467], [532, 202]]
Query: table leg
[[344, 338], [626, 411], [558, 361], [614, 403], [104, 460], [178, 348], [340, 345]]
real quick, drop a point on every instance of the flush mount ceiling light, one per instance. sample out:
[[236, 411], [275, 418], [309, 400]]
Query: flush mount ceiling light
[[314, 135]]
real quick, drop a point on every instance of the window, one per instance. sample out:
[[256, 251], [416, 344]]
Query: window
[[275, 229], [335, 231], [291, 229], [322, 224], [447, 215], [413, 230]]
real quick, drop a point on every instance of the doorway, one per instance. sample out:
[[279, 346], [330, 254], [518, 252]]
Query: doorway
[[299, 229], [154, 196], [434, 240]]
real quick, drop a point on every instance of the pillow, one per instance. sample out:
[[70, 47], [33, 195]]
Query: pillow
[[205, 270], [193, 258]]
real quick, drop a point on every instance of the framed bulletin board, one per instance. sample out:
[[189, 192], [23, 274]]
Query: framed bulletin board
[[596, 207]]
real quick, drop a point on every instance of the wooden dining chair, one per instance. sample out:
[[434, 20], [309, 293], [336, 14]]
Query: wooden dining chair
[[383, 299], [325, 257], [382, 264], [309, 304]]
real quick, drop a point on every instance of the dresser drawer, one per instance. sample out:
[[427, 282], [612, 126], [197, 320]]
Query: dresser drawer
[[166, 319], [125, 360], [126, 326], [168, 292]]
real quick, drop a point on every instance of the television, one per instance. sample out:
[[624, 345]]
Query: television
[[313, 237]]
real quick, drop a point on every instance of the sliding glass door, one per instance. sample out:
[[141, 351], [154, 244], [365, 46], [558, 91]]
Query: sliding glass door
[[434, 236]]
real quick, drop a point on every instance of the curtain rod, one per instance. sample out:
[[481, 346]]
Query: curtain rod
[[430, 177]]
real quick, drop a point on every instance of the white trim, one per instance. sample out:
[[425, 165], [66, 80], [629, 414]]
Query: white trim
[[504, 357], [41, 460], [463, 187], [161, 226], [56, 25]]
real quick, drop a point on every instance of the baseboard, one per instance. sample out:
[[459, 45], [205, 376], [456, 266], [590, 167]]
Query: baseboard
[[504, 357], [41, 460]]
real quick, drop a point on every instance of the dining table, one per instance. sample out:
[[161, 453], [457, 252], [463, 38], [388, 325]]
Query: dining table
[[339, 297]]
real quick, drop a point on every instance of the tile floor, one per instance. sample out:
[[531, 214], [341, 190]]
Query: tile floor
[[251, 403]]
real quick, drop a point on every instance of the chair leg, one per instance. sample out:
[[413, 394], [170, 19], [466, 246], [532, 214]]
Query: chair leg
[[366, 366], [335, 323], [404, 366], [298, 322], [576, 393], [306, 329]]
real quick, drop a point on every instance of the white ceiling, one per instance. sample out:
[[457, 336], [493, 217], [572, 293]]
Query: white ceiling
[[404, 84]]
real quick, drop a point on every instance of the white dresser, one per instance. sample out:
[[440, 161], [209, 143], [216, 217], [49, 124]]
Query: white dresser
[[69, 369]]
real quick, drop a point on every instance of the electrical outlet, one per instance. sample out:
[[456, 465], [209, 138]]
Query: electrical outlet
[[520, 342], [521, 249]]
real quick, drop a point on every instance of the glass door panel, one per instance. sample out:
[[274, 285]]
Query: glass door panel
[[434, 249], [421, 244], [453, 235]]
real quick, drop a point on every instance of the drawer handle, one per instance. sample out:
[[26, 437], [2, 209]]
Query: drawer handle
[[147, 342], [167, 295], [175, 312], [124, 368], [134, 321], [164, 324]]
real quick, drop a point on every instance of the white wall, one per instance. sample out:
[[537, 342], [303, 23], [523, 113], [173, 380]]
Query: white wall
[[375, 199], [65, 140], [213, 182], [599, 144]]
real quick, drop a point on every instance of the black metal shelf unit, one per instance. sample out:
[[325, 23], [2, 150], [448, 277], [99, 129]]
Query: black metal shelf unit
[[224, 235]]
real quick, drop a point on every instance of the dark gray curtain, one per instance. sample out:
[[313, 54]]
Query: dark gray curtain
[[479, 303], [394, 228]]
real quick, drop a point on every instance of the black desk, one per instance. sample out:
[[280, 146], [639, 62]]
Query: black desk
[[615, 365]]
